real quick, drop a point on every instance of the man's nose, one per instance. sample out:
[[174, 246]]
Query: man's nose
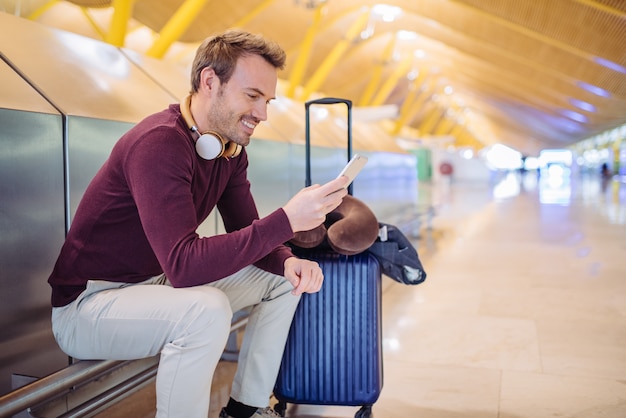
[[260, 112]]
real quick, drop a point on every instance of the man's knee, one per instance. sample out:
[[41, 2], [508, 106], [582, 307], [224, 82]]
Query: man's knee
[[209, 308]]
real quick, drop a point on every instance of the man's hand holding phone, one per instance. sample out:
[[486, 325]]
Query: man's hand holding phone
[[309, 207]]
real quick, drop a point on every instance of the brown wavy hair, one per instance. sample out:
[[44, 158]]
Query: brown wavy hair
[[222, 51]]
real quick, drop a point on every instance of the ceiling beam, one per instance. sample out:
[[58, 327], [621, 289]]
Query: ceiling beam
[[414, 102], [400, 70], [253, 13], [377, 72], [122, 12], [335, 54], [304, 52], [175, 27], [36, 14], [430, 121]]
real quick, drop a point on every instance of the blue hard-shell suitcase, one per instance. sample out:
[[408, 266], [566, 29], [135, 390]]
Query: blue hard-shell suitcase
[[333, 354]]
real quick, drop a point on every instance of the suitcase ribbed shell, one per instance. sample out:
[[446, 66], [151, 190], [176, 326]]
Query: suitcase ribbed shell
[[333, 354]]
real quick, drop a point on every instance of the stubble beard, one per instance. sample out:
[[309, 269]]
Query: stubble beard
[[226, 122]]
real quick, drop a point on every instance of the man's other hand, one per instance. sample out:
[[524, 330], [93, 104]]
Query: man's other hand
[[306, 276]]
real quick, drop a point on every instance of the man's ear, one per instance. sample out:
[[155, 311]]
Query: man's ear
[[208, 79]]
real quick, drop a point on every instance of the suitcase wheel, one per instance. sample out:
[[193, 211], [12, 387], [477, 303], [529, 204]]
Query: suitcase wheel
[[364, 412], [281, 408]]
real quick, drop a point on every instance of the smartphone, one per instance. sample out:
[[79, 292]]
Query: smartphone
[[353, 168]]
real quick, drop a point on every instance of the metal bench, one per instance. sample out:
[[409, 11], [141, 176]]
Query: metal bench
[[88, 386]]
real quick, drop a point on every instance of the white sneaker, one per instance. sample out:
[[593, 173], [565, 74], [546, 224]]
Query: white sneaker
[[266, 412]]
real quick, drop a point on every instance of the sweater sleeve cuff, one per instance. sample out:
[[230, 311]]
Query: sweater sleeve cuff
[[282, 232], [283, 226]]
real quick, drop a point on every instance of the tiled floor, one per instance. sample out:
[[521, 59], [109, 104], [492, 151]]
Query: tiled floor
[[523, 314]]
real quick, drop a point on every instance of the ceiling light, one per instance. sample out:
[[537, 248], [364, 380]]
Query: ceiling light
[[386, 12], [368, 32], [310, 4], [552, 156], [574, 116], [582, 105], [499, 156], [610, 64], [406, 35], [593, 89], [467, 153], [412, 75], [319, 113]]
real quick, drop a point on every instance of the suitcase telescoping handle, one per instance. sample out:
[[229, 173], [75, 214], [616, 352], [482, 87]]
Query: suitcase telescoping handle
[[325, 101]]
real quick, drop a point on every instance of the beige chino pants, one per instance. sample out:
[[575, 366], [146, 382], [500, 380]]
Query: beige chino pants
[[189, 328]]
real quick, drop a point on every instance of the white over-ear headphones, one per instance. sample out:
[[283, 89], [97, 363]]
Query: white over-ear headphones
[[209, 145]]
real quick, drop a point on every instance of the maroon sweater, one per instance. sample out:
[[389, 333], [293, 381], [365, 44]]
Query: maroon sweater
[[139, 215]]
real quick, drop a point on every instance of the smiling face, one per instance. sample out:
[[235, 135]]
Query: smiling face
[[237, 106]]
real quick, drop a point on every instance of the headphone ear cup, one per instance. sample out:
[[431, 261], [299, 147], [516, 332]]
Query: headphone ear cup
[[232, 150], [209, 146]]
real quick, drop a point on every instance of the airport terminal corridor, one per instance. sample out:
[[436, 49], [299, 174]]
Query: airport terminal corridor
[[456, 104], [523, 313]]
